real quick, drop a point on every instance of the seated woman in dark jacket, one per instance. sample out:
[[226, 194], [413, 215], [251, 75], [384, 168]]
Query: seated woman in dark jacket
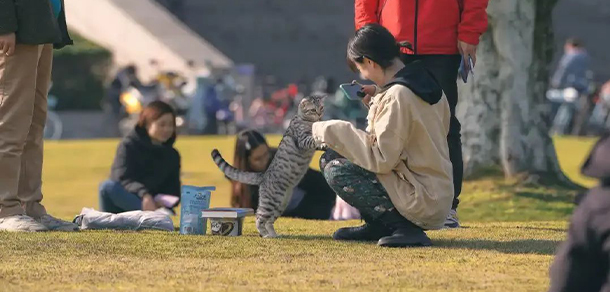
[[583, 261], [312, 198], [146, 167]]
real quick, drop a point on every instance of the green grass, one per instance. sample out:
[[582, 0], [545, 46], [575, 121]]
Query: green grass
[[507, 244]]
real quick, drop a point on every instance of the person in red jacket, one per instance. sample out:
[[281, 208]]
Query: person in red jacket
[[440, 33]]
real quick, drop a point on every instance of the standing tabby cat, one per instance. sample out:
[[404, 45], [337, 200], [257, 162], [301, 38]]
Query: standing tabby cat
[[286, 169]]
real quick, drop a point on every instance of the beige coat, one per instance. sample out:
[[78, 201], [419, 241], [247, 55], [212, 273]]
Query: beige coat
[[406, 146]]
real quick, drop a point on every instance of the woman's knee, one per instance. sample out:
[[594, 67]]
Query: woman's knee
[[337, 172], [323, 161], [107, 187], [327, 157]]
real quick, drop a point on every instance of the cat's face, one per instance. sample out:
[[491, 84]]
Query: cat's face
[[311, 108]]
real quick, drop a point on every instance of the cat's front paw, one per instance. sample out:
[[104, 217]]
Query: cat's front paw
[[322, 147]]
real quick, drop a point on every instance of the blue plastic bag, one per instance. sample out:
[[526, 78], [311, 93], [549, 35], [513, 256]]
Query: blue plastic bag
[[194, 200]]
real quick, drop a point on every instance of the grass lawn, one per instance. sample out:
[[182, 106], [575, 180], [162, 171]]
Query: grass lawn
[[507, 244]]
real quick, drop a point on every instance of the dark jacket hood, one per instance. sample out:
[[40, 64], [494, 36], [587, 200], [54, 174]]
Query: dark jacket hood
[[419, 80], [140, 136], [598, 163]]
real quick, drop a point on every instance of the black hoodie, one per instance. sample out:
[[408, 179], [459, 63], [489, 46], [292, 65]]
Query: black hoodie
[[419, 80], [583, 261], [145, 168]]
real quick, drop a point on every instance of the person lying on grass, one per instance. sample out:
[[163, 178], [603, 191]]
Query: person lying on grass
[[146, 165], [397, 173], [311, 199]]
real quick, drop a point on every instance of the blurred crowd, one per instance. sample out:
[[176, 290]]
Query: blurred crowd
[[204, 103], [212, 104]]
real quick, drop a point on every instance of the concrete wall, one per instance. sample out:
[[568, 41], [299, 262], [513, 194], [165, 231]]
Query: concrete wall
[[290, 39], [137, 31]]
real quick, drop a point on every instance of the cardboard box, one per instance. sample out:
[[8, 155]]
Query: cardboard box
[[226, 221]]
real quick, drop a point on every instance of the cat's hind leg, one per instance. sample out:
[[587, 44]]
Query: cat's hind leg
[[270, 229], [261, 225], [264, 224]]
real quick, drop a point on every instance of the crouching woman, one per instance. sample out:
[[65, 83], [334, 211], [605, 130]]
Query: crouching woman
[[397, 173]]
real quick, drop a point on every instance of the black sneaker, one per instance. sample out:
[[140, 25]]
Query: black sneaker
[[366, 232], [406, 237], [406, 234]]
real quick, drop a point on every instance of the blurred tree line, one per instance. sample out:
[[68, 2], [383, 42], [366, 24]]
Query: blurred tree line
[[79, 75]]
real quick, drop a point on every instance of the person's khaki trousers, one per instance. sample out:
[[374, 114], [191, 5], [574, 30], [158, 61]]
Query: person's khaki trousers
[[24, 84]]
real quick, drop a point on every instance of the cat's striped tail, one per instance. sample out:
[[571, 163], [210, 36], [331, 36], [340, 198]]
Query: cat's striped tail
[[251, 178]]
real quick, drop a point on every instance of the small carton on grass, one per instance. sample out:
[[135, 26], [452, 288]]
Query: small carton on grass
[[194, 200], [226, 221]]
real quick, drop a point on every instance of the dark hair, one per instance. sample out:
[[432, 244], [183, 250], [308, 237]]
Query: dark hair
[[574, 42], [153, 111], [247, 140], [373, 42]]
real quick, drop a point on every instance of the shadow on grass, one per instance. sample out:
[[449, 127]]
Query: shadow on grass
[[307, 237], [549, 198], [494, 172], [529, 246], [563, 230]]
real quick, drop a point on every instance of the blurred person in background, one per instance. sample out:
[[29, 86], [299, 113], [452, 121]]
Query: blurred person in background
[[226, 90], [573, 74], [312, 198], [582, 262], [600, 117], [211, 105], [260, 114], [124, 78], [441, 32], [197, 117], [146, 168], [573, 67], [29, 30]]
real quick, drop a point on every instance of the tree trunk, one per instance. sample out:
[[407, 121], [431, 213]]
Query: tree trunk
[[479, 109], [504, 112]]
